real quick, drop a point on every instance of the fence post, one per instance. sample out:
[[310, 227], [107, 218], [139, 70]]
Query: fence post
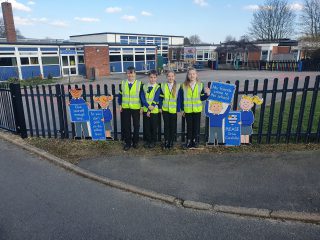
[[18, 110], [60, 110]]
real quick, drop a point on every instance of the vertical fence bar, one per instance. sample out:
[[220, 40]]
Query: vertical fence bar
[[271, 113], [262, 109], [246, 87], [91, 96], [282, 107], [114, 111], [64, 108], [312, 108], [12, 124], [318, 131], [292, 105], [17, 106], [302, 107], [26, 96], [235, 98], [53, 114], [73, 131], [106, 92], [46, 110], [40, 111], [60, 111], [34, 111], [255, 92]]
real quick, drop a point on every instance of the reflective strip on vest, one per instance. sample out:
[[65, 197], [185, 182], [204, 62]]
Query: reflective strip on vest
[[130, 97], [150, 97], [191, 98], [169, 103]]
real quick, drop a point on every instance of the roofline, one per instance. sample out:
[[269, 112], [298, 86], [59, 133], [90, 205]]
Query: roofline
[[143, 34]]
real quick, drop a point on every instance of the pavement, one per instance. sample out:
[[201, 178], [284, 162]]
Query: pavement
[[265, 185]]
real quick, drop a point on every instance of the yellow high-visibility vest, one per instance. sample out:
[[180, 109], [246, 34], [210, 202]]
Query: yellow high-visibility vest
[[130, 97], [191, 98], [169, 103], [150, 97]]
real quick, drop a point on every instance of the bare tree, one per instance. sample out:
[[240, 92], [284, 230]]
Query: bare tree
[[194, 39], [229, 38], [3, 31], [310, 19], [186, 41], [273, 20]]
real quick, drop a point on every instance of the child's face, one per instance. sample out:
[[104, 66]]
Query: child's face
[[215, 108], [131, 75], [171, 77], [192, 75], [246, 104], [152, 78], [75, 93]]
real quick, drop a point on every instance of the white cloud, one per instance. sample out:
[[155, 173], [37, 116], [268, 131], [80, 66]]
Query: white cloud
[[145, 13], [251, 7], [129, 18], [296, 6], [201, 3], [29, 21], [86, 19], [31, 3], [18, 6], [58, 23], [113, 9]]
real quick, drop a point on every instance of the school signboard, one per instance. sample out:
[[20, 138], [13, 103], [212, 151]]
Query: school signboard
[[97, 125], [232, 130], [221, 92], [79, 112]]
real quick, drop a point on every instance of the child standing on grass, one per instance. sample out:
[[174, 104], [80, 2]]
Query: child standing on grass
[[193, 93], [130, 104], [247, 118], [170, 105], [151, 109]]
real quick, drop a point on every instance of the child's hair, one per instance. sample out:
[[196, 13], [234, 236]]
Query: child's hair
[[131, 69], [254, 99], [174, 87], [215, 102], [152, 72], [187, 81]]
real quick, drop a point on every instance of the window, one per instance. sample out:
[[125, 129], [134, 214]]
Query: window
[[164, 47], [50, 60], [115, 58], [206, 56], [133, 40], [165, 55], [151, 57], [200, 55], [124, 40], [34, 60], [127, 58], [80, 59], [24, 61], [264, 55], [139, 57], [8, 61], [174, 55]]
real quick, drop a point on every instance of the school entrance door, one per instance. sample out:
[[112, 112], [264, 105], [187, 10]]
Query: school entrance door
[[69, 66]]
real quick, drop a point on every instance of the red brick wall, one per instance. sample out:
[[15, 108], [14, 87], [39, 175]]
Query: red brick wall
[[8, 22], [97, 57], [254, 56]]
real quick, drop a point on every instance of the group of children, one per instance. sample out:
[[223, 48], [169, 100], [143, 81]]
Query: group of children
[[170, 98]]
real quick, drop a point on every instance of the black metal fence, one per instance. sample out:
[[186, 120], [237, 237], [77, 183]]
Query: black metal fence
[[289, 113]]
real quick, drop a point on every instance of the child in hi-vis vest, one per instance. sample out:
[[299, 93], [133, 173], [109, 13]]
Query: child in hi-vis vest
[[170, 105], [193, 93], [151, 109]]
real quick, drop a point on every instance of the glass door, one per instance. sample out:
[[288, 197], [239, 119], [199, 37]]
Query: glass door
[[69, 66]]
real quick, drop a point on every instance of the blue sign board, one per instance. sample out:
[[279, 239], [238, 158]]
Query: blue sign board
[[79, 112], [221, 92], [232, 130], [97, 125]]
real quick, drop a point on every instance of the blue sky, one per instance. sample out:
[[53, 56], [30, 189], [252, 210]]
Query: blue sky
[[212, 20]]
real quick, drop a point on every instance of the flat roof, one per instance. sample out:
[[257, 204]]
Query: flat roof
[[142, 34]]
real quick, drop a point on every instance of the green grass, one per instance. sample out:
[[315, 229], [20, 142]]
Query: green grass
[[285, 120]]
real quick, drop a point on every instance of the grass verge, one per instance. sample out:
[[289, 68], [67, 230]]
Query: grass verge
[[74, 151]]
